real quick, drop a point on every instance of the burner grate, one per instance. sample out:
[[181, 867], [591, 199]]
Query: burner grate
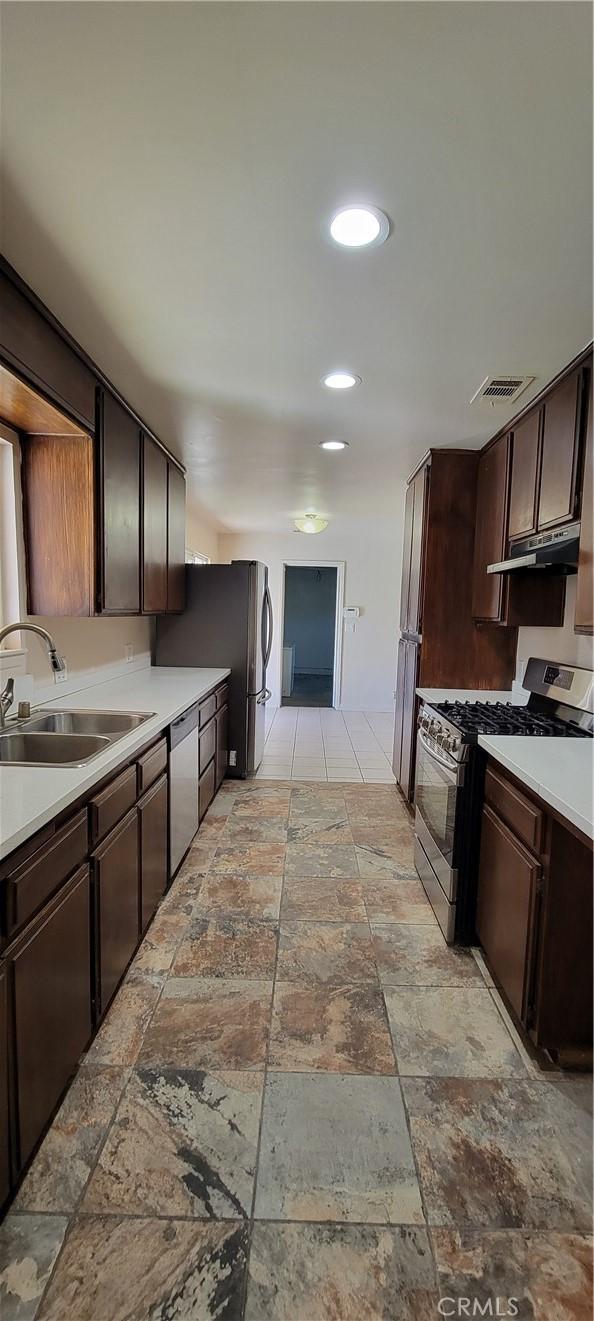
[[503, 718]]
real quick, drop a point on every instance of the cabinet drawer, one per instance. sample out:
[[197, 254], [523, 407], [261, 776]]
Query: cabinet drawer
[[108, 807], [222, 696], [151, 764], [206, 789], [207, 709], [207, 744], [39, 877], [518, 812]]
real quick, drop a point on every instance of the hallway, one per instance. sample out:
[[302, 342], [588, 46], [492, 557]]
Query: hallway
[[302, 1105], [350, 747]]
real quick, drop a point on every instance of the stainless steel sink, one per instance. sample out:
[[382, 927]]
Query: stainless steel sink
[[65, 738], [25, 749], [84, 722]]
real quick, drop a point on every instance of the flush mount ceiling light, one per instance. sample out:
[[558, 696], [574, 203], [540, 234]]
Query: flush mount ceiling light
[[334, 444], [340, 380], [311, 523], [359, 227]]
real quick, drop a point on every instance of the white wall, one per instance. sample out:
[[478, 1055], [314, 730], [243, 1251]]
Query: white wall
[[560, 644], [372, 551], [310, 615], [202, 535]]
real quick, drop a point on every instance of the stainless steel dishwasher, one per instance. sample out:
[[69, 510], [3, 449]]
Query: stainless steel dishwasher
[[183, 785]]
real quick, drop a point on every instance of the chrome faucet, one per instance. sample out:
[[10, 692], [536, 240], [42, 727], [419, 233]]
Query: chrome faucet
[[56, 661]]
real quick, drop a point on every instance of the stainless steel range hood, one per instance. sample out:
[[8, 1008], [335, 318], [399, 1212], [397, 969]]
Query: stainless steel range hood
[[556, 550]]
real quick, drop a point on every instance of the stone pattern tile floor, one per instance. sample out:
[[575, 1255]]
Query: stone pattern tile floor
[[302, 1105], [317, 744]]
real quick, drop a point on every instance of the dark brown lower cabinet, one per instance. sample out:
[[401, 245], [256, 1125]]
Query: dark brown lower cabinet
[[206, 789], [152, 827], [534, 917], [509, 878], [222, 754], [49, 970], [116, 906], [4, 1115]]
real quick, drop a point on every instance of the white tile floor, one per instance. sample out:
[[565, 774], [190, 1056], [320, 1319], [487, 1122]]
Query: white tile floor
[[318, 743]]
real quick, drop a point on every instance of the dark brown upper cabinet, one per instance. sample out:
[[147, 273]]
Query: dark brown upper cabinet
[[104, 500], [517, 598], [118, 456], [558, 500], [523, 500], [154, 528], [59, 518], [490, 530], [584, 606], [176, 540], [37, 351]]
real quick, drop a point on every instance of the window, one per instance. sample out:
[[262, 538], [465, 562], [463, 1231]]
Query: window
[[194, 557], [12, 595]]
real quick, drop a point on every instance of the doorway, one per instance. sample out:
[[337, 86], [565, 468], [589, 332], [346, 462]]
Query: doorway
[[310, 634]]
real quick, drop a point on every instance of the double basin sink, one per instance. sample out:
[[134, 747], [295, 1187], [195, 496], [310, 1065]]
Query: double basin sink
[[65, 738]]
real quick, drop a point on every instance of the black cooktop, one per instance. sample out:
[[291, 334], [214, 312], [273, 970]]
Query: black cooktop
[[473, 718]]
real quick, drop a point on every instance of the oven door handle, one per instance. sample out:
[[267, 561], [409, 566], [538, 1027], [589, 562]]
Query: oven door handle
[[454, 767]]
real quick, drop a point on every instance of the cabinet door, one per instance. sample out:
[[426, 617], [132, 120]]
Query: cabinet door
[[154, 528], [39, 353], [560, 445], [409, 662], [116, 901], [152, 820], [507, 889], [4, 1112], [119, 508], [490, 530], [409, 508], [176, 541], [415, 589], [584, 606], [523, 499], [222, 754], [50, 967]]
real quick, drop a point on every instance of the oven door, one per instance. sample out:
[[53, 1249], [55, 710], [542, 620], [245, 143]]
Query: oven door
[[439, 780]]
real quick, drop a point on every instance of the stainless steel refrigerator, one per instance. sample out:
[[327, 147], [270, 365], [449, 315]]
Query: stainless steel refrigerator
[[227, 622]]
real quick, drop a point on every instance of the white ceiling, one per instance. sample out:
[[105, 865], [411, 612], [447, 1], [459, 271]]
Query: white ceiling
[[169, 170]]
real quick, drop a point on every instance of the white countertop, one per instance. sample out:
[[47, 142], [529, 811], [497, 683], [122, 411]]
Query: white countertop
[[558, 770], [31, 795], [517, 698]]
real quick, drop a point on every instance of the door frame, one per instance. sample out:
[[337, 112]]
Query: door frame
[[339, 565]]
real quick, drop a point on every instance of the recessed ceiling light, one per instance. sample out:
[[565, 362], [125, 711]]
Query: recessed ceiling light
[[359, 227], [341, 380], [334, 444]]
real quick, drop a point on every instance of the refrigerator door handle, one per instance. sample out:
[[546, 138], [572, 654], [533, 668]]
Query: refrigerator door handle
[[267, 626], [264, 697]]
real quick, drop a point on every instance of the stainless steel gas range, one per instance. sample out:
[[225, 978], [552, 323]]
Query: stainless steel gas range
[[450, 771]]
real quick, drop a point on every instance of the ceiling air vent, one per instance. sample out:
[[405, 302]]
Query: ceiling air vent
[[501, 389]]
